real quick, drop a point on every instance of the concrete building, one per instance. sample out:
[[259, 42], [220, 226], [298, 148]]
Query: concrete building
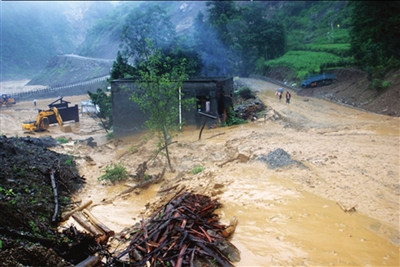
[[128, 119]]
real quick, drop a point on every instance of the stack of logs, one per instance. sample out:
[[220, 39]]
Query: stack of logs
[[88, 221], [183, 232]]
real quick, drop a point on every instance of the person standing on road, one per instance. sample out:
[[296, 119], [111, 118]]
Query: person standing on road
[[34, 102], [288, 96]]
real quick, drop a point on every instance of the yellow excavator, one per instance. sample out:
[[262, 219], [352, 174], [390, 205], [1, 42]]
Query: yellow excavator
[[42, 121]]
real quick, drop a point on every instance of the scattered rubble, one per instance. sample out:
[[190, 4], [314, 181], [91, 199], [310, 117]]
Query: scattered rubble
[[279, 158]]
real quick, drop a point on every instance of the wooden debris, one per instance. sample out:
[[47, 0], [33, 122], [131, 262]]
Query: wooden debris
[[140, 171], [65, 216], [54, 185], [215, 135], [183, 232], [79, 218], [90, 262], [98, 224], [239, 156], [156, 178], [351, 209], [227, 161]]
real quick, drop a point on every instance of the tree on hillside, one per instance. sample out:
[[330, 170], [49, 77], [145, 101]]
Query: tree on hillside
[[121, 68], [157, 94], [247, 34], [150, 22], [375, 36], [257, 37], [182, 51], [221, 13], [224, 51]]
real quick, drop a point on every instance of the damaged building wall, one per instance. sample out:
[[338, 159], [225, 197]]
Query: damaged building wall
[[128, 119]]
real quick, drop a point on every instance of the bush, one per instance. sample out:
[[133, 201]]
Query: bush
[[197, 169], [232, 119], [114, 172], [379, 85], [385, 84], [62, 140], [110, 135]]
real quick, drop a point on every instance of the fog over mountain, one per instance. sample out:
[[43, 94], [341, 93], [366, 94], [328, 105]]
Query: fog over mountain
[[34, 32]]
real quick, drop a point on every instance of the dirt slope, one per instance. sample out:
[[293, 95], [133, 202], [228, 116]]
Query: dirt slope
[[351, 88]]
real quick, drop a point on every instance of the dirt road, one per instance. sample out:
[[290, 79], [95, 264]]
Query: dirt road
[[287, 216]]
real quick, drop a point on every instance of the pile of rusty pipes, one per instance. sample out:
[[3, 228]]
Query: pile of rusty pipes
[[183, 232]]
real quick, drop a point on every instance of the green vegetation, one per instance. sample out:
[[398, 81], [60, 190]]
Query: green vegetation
[[7, 192], [69, 161], [62, 140], [102, 99], [197, 169], [304, 62], [121, 68], [10, 195], [244, 34], [148, 22], [35, 229], [375, 42], [231, 38], [133, 149], [114, 172], [157, 94], [232, 119]]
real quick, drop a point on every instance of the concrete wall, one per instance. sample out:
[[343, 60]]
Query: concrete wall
[[129, 119]]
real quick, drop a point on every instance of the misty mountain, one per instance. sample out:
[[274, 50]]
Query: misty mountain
[[104, 38], [34, 32]]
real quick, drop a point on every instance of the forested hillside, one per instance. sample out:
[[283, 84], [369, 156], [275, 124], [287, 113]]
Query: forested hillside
[[235, 38]]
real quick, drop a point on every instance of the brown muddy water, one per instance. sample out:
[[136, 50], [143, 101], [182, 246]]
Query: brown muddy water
[[287, 216]]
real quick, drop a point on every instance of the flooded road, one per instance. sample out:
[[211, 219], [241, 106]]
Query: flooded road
[[287, 216]]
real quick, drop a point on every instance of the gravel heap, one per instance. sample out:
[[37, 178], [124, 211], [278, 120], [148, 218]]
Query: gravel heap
[[279, 158]]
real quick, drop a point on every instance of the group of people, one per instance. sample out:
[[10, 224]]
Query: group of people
[[288, 95]]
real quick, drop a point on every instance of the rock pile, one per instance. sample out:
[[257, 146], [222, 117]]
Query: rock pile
[[279, 158]]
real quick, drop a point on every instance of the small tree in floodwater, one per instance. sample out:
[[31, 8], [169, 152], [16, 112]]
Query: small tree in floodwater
[[157, 94], [103, 109]]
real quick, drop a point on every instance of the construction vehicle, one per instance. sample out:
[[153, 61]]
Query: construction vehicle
[[42, 121], [6, 100]]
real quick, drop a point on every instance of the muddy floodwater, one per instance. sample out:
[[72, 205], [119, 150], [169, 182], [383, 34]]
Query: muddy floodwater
[[288, 216]]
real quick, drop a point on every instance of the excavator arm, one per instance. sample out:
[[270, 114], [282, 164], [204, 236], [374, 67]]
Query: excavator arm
[[58, 117], [42, 121]]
